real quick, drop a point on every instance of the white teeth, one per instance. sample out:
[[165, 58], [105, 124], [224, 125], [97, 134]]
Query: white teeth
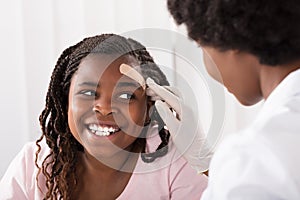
[[100, 133], [101, 130], [93, 127]]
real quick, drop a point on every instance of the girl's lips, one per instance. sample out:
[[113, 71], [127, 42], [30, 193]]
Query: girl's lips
[[103, 127], [103, 124]]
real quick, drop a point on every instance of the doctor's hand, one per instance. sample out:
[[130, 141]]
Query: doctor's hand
[[186, 131]]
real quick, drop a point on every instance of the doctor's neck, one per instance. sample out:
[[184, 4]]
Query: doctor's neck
[[271, 76]]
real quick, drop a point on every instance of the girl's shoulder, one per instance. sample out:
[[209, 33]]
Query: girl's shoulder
[[19, 181], [30, 149]]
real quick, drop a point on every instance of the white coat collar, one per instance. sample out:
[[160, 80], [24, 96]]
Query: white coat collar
[[289, 87]]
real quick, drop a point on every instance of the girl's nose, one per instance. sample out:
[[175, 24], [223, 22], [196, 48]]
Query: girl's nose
[[102, 106]]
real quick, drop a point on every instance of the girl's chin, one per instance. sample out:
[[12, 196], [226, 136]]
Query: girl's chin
[[102, 154]]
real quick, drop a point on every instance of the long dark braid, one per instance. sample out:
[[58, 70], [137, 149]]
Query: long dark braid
[[63, 147], [59, 167], [150, 69]]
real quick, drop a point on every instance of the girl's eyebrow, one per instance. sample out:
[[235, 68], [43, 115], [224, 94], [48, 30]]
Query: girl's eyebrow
[[129, 84], [93, 84]]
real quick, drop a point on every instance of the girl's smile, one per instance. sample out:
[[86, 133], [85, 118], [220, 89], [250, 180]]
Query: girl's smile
[[103, 129]]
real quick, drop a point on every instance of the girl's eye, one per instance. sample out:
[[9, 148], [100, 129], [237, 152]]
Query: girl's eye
[[88, 93], [126, 96]]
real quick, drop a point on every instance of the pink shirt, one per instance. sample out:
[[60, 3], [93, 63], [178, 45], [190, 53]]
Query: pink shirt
[[157, 180]]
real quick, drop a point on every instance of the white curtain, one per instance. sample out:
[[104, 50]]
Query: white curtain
[[35, 32]]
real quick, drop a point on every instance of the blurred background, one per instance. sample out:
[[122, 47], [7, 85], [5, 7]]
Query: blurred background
[[34, 33]]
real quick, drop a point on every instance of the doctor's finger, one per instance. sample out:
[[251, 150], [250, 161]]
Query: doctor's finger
[[166, 95], [168, 117]]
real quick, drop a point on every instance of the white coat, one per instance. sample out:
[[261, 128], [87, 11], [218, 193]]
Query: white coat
[[262, 161]]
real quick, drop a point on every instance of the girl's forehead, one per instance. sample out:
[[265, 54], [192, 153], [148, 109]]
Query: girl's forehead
[[104, 61], [96, 67]]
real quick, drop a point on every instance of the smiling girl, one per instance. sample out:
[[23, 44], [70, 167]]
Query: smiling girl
[[101, 138]]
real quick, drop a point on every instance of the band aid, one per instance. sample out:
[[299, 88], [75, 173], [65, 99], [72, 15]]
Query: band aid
[[133, 74]]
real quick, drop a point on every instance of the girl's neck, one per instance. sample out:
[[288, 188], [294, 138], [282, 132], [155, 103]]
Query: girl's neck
[[123, 161], [96, 177]]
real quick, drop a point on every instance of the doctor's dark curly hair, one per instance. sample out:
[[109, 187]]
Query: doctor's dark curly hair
[[59, 167], [268, 29]]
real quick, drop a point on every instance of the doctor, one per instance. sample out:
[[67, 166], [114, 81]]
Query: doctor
[[255, 47]]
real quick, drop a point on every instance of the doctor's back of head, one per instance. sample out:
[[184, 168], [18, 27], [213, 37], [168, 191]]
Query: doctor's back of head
[[242, 34]]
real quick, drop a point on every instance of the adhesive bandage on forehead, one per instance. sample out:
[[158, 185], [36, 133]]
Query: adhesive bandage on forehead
[[133, 74]]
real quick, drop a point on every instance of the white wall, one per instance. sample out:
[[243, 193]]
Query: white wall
[[34, 33], [28, 54], [13, 105]]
